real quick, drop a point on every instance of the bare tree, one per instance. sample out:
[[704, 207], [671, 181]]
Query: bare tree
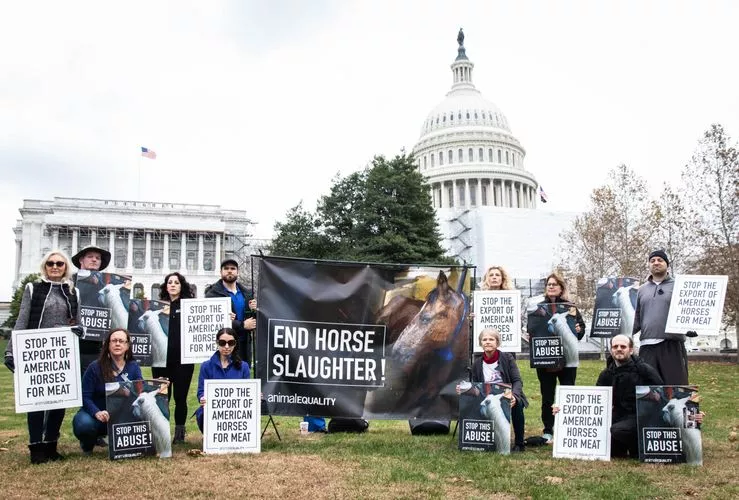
[[711, 180]]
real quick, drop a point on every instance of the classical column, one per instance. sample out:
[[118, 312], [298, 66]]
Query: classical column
[[165, 252], [147, 254], [129, 253], [93, 238], [200, 253], [498, 192], [520, 195], [55, 239], [217, 253], [111, 245], [75, 236], [467, 201], [444, 196], [479, 192], [183, 252]]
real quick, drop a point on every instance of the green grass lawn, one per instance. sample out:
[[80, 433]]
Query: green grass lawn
[[386, 462]]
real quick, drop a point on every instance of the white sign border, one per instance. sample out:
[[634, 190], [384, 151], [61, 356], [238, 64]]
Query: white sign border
[[256, 385], [557, 449], [75, 399], [477, 325], [674, 327], [186, 359]]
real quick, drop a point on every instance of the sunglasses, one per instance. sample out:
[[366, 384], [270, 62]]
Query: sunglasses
[[224, 343], [53, 263]]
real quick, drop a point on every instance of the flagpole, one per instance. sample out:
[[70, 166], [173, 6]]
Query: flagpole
[[138, 189]]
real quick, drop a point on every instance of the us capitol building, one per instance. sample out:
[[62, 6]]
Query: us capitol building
[[147, 240], [485, 199]]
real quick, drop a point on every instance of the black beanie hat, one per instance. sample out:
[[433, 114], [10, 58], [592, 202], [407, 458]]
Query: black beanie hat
[[661, 254]]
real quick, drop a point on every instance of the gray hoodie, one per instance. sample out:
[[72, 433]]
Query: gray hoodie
[[651, 310]]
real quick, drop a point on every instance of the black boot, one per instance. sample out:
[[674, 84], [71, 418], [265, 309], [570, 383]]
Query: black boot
[[38, 453], [51, 453], [179, 434]]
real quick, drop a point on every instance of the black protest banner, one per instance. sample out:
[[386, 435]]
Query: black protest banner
[[148, 325], [666, 421], [47, 370], [103, 302], [615, 303], [553, 338], [485, 417], [361, 340], [139, 419]]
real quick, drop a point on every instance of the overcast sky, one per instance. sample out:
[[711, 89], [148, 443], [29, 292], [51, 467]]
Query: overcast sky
[[256, 105]]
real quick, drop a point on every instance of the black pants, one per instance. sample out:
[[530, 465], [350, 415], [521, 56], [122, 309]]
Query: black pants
[[245, 349], [624, 438], [44, 425], [669, 358], [179, 377], [547, 386]]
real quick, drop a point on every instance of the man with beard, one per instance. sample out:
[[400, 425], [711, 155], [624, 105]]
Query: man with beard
[[243, 305], [624, 374], [665, 352]]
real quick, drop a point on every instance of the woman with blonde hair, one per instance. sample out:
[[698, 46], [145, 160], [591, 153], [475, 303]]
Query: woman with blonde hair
[[496, 278], [50, 302]]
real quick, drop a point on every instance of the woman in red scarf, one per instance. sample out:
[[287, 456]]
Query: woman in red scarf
[[499, 367]]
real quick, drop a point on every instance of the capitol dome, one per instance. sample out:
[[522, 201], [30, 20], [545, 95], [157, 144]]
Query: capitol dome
[[467, 152]]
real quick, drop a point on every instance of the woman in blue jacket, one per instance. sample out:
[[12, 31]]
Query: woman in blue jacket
[[115, 364], [224, 364]]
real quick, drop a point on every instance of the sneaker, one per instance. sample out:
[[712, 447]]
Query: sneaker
[[519, 448], [548, 438], [101, 442]]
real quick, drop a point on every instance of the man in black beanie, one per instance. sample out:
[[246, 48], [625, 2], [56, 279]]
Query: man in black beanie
[[665, 352]]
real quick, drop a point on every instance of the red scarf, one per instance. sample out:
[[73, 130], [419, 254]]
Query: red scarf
[[492, 359]]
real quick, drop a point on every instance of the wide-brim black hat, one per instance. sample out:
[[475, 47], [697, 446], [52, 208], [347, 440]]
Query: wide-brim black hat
[[104, 257]]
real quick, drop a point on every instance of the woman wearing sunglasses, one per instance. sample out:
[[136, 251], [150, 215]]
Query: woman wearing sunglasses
[[50, 302], [115, 364], [224, 364]]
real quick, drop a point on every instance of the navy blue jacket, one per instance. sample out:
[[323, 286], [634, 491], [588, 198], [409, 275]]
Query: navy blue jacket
[[93, 385], [212, 370]]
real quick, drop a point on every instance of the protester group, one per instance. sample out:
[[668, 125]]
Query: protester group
[[52, 302]]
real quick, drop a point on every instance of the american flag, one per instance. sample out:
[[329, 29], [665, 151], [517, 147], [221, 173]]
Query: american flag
[[542, 195], [148, 153]]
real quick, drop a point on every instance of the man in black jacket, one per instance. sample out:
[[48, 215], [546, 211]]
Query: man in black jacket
[[624, 374], [243, 305]]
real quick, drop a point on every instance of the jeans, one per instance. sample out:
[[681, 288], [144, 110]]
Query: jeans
[[87, 428]]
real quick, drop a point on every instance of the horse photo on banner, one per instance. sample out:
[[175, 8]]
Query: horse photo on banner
[[373, 341], [103, 302], [139, 419], [485, 417], [615, 305], [553, 336], [148, 325], [668, 430]]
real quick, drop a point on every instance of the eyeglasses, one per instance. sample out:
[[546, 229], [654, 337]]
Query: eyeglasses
[[55, 263], [552, 284], [224, 343], [118, 341]]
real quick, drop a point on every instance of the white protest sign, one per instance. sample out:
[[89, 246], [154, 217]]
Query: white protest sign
[[697, 304], [582, 427], [47, 369], [232, 416], [200, 320], [500, 310]]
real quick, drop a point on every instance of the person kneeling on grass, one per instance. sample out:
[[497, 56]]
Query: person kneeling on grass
[[115, 364], [224, 364]]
